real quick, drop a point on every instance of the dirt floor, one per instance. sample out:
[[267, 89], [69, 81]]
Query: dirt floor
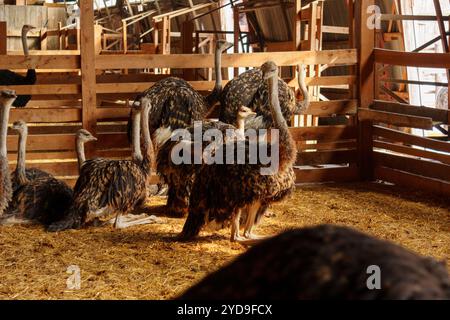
[[145, 263]]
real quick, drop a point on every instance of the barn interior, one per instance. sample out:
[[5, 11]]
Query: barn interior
[[373, 149]]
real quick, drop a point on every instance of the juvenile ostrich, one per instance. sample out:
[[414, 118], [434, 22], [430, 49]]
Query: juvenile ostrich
[[250, 89], [179, 177], [325, 262], [9, 78], [83, 136], [220, 191], [22, 176], [6, 100], [37, 197], [113, 186], [175, 104]]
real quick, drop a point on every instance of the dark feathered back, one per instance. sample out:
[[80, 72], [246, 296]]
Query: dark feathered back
[[324, 262], [9, 78]]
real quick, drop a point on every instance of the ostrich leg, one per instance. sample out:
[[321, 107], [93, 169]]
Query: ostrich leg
[[250, 223]]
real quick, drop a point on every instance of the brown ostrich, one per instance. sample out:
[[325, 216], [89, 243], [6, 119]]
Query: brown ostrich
[[220, 191], [179, 177], [250, 89], [38, 197], [113, 186], [7, 98], [325, 262]]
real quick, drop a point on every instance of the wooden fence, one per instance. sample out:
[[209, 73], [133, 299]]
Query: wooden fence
[[59, 107]]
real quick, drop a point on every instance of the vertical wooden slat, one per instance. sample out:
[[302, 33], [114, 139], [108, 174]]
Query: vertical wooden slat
[[88, 83], [366, 41], [236, 35], [3, 38], [187, 40]]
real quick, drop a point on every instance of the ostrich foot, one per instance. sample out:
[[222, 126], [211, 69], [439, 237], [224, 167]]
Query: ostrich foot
[[133, 220], [248, 242], [253, 236]]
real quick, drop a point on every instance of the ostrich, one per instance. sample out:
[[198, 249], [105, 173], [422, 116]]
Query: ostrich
[[325, 262], [82, 137], [6, 100], [22, 176], [250, 89], [220, 191], [175, 104], [9, 78], [180, 177], [106, 186], [38, 197]]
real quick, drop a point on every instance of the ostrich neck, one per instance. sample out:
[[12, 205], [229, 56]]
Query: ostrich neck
[[136, 153], [4, 129], [218, 69], [240, 128], [279, 121], [24, 43], [302, 105], [148, 145], [20, 169], [80, 153]]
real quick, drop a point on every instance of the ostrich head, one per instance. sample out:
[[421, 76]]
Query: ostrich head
[[20, 126], [6, 96], [245, 112], [85, 136], [223, 45], [269, 69], [27, 28]]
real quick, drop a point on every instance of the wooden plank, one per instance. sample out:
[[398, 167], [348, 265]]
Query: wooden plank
[[444, 158], [366, 85], [344, 174], [331, 57], [420, 167], [437, 115], [40, 62], [46, 115], [413, 181], [59, 168], [396, 119], [87, 52], [414, 59], [112, 113], [326, 157], [329, 146], [328, 80], [407, 138], [3, 38], [323, 133], [325, 108], [40, 89]]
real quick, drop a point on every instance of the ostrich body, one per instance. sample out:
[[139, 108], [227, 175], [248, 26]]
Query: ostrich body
[[180, 177], [220, 191], [21, 176], [324, 262], [38, 197], [251, 90], [112, 186], [6, 100], [9, 78], [175, 103]]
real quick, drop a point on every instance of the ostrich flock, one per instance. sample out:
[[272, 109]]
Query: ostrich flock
[[319, 262]]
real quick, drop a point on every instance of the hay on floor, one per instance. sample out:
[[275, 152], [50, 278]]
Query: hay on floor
[[145, 263]]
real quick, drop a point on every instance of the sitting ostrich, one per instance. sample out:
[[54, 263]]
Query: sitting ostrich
[[179, 177], [250, 89], [220, 191], [325, 262], [6, 100], [9, 78], [107, 186], [38, 197]]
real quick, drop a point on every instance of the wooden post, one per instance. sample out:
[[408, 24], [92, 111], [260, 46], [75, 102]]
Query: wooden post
[[366, 42], [88, 82], [3, 38], [236, 35], [187, 43], [43, 38]]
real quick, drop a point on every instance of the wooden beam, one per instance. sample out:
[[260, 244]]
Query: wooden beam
[[44, 61], [330, 57], [413, 181], [411, 139], [326, 157], [366, 86], [413, 59], [323, 133], [396, 119], [344, 174], [3, 38], [87, 51], [437, 115]]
